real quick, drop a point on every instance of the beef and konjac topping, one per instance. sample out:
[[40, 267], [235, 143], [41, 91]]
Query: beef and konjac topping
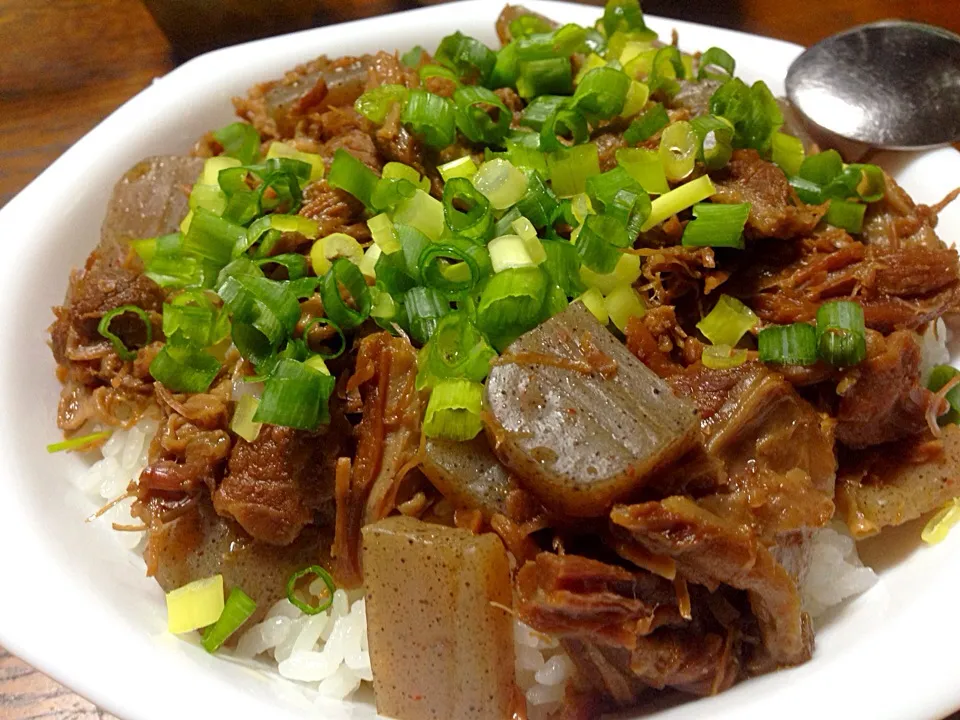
[[575, 329]]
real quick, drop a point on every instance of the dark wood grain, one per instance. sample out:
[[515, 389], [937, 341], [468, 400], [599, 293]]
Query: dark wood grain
[[66, 64]]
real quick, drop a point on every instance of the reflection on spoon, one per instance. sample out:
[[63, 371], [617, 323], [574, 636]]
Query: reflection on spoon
[[890, 84]]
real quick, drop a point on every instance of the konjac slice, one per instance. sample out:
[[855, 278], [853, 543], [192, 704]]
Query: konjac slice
[[468, 474], [440, 633], [578, 419]]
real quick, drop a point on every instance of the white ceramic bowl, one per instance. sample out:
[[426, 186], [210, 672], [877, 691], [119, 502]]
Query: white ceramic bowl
[[76, 605]]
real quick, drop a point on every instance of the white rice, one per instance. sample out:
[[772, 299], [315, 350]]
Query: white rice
[[327, 651], [834, 571], [124, 457], [542, 671]]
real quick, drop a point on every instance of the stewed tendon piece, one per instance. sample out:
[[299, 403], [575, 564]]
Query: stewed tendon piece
[[440, 634], [578, 419]]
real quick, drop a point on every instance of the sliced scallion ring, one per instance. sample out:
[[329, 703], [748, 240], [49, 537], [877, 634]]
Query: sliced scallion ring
[[324, 603], [104, 329]]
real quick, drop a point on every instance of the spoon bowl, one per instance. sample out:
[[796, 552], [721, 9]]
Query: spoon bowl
[[890, 84]]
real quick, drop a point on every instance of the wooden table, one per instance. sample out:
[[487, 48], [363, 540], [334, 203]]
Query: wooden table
[[65, 64]]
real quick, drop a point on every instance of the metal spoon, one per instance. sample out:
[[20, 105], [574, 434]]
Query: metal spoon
[[890, 84]]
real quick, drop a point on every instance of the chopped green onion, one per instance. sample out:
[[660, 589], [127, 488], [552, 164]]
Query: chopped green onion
[[602, 92], [940, 524], [592, 299], [729, 320], [713, 60], [622, 304], [788, 153], [191, 318], [438, 257], [753, 111], [374, 104], [432, 117], [539, 110], [846, 215], [549, 76], [281, 223], [195, 605], [349, 174], [569, 168], [666, 68], [212, 167], [213, 238], [626, 272], [481, 115], [647, 125], [342, 340], [208, 197], [383, 233], [325, 602], [525, 25], [511, 302], [344, 273], [453, 411], [539, 205], [505, 68], [469, 58], [678, 199], [637, 95], [104, 329], [873, 184], [184, 368], [239, 140], [678, 150], [564, 122], [599, 241], [558, 44], [716, 140], [940, 375], [624, 16], [424, 307], [282, 150], [822, 167], [562, 265], [242, 421], [509, 251], [456, 350], [81, 442], [621, 197], [794, 344], [717, 226], [475, 221], [722, 357], [236, 612], [645, 167], [330, 247], [389, 192], [295, 395], [841, 333], [413, 57], [400, 171], [463, 167], [267, 306], [422, 211], [501, 182], [523, 150]]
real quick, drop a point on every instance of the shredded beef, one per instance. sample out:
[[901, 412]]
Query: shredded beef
[[388, 441], [881, 399], [710, 550], [274, 485], [775, 211]]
